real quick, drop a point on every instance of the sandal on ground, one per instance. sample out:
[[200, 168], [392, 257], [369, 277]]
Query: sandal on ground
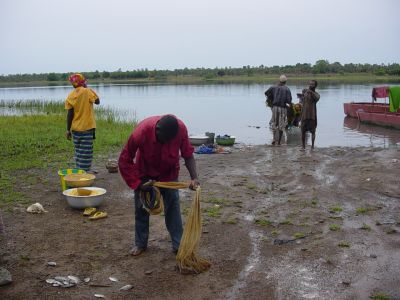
[[89, 211], [98, 215], [136, 251]]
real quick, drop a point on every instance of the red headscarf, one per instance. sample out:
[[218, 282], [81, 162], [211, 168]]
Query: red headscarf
[[77, 80]]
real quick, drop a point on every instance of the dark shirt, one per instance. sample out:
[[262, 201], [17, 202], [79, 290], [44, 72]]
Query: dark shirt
[[280, 95], [309, 109]]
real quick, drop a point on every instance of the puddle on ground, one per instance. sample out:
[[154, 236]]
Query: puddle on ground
[[323, 176]]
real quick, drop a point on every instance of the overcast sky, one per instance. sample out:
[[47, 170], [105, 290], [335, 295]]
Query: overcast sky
[[76, 35]]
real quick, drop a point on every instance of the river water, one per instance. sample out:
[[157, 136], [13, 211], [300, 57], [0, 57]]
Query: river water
[[235, 109]]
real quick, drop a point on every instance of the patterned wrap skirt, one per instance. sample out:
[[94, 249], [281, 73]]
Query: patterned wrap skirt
[[279, 118], [83, 143]]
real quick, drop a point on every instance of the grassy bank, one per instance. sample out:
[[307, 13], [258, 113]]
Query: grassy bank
[[188, 79], [35, 140]]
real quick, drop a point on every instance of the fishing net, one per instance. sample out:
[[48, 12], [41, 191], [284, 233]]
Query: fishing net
[[188, 262]]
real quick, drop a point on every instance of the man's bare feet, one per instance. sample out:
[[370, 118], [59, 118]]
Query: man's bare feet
[[135, 251]]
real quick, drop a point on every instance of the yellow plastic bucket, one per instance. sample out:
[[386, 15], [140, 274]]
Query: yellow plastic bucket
[[64, 172]]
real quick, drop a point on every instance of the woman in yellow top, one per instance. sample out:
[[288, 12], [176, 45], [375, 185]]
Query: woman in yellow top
[[81, 124]]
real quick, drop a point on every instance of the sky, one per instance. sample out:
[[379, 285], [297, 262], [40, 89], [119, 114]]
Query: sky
[[40, 36]]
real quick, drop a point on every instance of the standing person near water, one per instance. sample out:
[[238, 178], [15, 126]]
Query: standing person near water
[[309, 113], [152, 153], [81, 123], [281, 100]]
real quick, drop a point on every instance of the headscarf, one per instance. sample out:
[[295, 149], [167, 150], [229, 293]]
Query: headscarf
[[77, 80]]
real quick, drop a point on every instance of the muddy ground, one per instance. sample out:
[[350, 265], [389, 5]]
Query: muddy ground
[[274, 218]]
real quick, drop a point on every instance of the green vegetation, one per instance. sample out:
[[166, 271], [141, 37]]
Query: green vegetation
[[344, 244], [380, 296], [213, 212], [364, 210], [264, 191], [322, 70], [24, 257], [334, 227], [336, 217], [275, 232], [306, 203], [262, 222], [336, 208], [286, 222], [36, 140], [299, 235], [251, 186], [185, 211], [365, 227], [231, 220]]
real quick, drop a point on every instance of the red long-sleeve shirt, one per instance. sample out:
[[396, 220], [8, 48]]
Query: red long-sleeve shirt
[[145, 158]]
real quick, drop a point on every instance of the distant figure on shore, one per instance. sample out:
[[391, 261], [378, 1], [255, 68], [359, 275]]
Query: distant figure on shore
[[309, 113], [281, 99], [81, 124]]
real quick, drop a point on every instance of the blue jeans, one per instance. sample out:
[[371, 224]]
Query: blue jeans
[[173, 220]]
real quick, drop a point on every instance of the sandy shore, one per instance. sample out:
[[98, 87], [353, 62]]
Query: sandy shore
[[278, 224]]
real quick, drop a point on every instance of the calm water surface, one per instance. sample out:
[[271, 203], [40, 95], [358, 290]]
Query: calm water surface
[[234, 109]]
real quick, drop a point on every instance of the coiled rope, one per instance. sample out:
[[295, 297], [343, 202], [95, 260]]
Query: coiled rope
[[187, 259]]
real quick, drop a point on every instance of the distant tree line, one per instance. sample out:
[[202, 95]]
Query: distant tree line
[[320, 67]]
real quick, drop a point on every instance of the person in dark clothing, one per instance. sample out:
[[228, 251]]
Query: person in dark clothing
[[281, 100], [309, 113]]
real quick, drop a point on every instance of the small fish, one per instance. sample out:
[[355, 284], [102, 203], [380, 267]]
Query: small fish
[[61, 278], [36, 208], [51, 281], [113, 279], [126, 287], [99, 296], [52, 263], [73, 279], [86, 280]]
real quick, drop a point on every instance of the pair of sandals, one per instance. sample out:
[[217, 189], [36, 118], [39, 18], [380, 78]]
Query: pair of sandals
[[93, 214]]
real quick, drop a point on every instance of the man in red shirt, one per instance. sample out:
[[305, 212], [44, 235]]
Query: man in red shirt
[[152, 153]]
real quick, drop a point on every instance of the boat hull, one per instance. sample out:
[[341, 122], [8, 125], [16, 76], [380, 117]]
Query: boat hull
[[352, 108], [381, 119]]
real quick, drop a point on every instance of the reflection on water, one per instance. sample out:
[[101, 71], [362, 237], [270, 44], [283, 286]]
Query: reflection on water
[[235, 109], [377, 135]]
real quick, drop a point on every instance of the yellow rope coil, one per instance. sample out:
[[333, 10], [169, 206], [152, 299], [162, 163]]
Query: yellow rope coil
[[187, 259]]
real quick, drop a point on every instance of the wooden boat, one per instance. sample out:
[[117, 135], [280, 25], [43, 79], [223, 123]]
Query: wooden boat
[[373, 112], [351, 108], [382, 119]]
